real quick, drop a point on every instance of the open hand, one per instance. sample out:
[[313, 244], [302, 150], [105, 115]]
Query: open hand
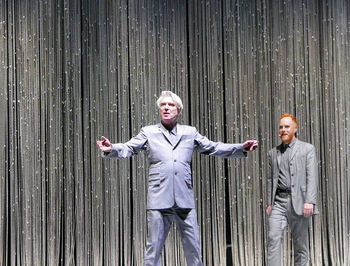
[[104, 145]]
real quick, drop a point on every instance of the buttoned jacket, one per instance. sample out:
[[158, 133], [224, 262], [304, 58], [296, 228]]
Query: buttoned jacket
[[169, 179], [303, 173]]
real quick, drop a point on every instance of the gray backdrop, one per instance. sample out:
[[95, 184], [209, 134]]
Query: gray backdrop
[[72, 71]]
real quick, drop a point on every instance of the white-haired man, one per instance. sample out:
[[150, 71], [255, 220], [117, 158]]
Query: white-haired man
[[169, 147]]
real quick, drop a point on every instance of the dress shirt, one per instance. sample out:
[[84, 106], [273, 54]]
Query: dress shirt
[[284, 182]]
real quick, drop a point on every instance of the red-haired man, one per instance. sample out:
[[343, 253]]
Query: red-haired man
[[291, 192]]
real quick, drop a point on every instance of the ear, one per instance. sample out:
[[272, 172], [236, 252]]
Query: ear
[[295, 130]]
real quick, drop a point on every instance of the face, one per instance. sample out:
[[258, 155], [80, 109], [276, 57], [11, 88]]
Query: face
[[168, 111], [287, 129]]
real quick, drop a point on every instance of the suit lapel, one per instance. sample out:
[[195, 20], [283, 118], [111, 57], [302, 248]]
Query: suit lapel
[[294, 150], [178, 135], [164, 132], [278, 151]]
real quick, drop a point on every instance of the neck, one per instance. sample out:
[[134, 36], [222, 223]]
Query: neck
[[170, 125], [289, 141]]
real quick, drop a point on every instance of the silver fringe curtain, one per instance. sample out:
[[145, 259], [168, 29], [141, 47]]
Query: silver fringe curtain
[[72, 71]]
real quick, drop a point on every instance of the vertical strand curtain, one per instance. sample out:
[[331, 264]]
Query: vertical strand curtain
[[72, 71]]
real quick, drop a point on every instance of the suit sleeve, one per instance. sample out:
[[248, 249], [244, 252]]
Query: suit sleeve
[[128, 149], [269, 181], [311, 177], [225, 150]]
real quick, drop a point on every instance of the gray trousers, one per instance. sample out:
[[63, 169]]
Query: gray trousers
[[282, 213], [159, 223]]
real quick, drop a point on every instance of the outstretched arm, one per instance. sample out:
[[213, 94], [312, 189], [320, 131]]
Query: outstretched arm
[[225, 150], [122, 150]]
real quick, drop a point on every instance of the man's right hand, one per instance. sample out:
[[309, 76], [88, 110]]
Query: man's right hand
[[104, 145], [268, 210]]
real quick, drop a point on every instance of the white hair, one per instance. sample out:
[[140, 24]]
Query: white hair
[[176, 99]]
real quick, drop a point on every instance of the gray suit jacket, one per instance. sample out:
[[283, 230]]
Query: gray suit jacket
[[169, 178], [303, 171]]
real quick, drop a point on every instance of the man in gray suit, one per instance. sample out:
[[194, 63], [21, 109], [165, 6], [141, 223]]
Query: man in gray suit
[[291, 192], [169, 147]]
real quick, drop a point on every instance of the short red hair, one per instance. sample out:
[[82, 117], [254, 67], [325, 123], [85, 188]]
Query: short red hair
[[289, 115]]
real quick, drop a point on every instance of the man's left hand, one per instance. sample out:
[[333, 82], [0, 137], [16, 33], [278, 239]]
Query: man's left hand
[[250, 145], [308, 209]]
